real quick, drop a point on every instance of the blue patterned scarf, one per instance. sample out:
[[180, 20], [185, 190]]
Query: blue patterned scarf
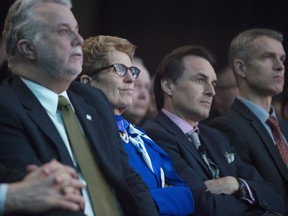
[[165, 163]]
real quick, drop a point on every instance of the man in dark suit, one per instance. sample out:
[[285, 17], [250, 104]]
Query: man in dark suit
[[52, 186], [257, 58], [221, 183], [45, 56]]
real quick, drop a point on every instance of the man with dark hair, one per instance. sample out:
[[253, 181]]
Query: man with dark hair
[[221, 183]]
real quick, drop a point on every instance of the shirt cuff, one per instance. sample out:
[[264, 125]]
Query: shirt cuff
[[248, 195], [3, 193]]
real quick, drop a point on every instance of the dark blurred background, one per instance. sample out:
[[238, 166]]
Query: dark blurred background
[[159, 26]]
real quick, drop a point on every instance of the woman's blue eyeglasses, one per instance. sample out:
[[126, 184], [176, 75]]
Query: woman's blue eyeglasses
[[121, 70]]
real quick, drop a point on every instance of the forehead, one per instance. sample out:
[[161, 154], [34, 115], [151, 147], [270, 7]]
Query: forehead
[[195, 65], [55, 14], [266, 44], [117, 56]]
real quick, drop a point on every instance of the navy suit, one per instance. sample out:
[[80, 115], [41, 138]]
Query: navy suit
[[254, 144], [190, 166], [28, 136]]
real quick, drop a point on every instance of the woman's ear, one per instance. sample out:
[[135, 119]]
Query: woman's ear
[[26, 49], [240, 68], [85, 79], [167, 86]]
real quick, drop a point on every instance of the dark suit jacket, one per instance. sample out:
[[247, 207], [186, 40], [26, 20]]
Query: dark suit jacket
[[254, 144], [8, 176], [190, 166], [28, 136]]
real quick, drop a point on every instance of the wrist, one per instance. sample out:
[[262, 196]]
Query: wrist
[[242, 191]]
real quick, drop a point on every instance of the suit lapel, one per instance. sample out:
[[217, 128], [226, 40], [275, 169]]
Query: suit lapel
[[214, 149], [263, 134], [40, 117], [182, 140], [92, 127]]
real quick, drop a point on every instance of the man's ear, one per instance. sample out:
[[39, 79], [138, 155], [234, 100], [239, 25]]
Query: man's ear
[[240, 68], [26, 49], [167, 86], [85, 79]]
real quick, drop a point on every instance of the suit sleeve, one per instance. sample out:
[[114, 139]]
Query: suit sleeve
[[213, 204], [206, 203], [16, 149]]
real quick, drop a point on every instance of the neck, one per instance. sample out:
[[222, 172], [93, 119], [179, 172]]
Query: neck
[[263, 101]]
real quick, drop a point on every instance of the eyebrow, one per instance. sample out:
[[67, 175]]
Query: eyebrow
[[201, 74], [67, 25]]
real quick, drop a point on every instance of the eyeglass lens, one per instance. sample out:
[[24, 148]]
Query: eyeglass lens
[[121, 70]]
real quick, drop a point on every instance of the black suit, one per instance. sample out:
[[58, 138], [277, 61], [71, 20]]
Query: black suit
[[192, 168], [28, 136], [8, 176], [254, 144]]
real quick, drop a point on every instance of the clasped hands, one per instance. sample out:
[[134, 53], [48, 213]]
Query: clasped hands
[[51, 186]]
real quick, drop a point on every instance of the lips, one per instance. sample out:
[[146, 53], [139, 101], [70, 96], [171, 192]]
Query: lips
[[208, 103], [127, 91], [78, 54]]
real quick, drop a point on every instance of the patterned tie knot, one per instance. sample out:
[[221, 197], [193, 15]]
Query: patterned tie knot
[[272, 122], [62, 102]]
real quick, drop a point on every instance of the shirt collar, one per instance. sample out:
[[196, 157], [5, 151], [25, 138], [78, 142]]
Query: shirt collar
[[181, 123], [257, 110], [47, 98]]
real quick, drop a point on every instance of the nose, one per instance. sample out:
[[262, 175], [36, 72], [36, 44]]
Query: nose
[[129, 77], [209, 90], [279, 64], [77, 40]]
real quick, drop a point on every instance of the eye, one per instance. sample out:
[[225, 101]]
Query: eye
[[63, 31], [199, 81]]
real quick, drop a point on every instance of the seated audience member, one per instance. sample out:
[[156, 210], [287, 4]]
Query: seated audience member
[[221, 183], [4, 71], [136, 113], [107, 65], [49, 187], [45, 114], [2, 52], [284, 107], [257, 57], [225, 92]]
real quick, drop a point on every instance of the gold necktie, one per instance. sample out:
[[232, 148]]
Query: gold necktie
[[103, 199]]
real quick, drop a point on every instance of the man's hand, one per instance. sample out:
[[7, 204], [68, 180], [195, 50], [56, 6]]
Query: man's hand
[[50, 186], [225, 185]]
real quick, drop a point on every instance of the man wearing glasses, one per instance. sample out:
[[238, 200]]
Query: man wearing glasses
[[45, 115]]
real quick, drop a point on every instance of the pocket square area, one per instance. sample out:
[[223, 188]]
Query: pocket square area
[[229, 157]]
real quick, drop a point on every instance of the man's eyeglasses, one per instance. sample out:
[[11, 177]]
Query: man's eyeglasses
[[121, 70]]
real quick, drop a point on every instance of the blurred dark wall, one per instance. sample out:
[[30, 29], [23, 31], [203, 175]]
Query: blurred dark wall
[[158, 26]]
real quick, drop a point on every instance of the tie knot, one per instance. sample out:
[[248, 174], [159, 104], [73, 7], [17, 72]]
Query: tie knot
[[62, 102], [193, 136], [271, 121]]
